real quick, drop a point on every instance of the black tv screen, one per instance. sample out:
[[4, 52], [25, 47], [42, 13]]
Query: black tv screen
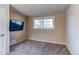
[[16, 25]]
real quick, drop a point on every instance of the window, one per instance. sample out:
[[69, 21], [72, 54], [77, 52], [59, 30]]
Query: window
[[43, 23]]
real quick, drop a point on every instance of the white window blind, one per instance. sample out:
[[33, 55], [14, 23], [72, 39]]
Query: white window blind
[[44, 23]]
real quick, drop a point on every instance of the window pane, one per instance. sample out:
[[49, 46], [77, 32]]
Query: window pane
[[44, 23], [38, 23], [48, 23]]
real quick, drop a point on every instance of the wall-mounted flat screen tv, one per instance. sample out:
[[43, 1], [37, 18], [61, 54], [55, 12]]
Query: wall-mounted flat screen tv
[[16, 25]]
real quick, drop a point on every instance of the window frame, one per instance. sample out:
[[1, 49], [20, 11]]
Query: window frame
[[42, 18]]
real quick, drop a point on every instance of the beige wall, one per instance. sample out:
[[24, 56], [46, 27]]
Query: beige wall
[[18, 35], [53, 36], [73, 28]]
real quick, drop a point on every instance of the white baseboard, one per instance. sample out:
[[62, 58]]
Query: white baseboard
[[48, 41], [12, 42], [69, 50]]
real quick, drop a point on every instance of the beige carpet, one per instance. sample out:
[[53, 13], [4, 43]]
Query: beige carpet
[[38, 48]]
